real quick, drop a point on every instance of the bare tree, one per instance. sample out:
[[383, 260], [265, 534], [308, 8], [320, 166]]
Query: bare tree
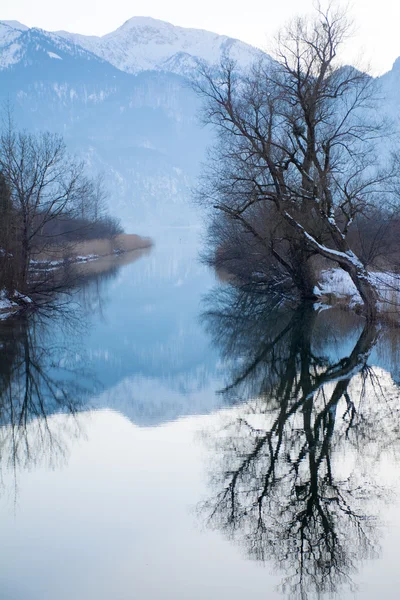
[[7, 233], [298, 137], [92, 206], [45, 183]]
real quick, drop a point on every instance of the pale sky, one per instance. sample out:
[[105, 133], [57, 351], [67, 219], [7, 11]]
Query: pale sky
[[377, 39]]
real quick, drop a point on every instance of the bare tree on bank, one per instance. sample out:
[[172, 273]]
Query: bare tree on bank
[[6, 228], [50, 198], [297, 138], [44, 182]]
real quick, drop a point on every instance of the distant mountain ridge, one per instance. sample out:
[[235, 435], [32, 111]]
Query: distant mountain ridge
[[140, 44], [20, 45], [139, 130], [122, 103]]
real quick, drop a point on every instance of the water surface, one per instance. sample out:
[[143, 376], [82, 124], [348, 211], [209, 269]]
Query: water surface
[[166, 436]]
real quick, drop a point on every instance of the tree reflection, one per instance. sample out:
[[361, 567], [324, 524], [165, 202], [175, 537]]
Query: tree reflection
[[39, 379], [294, 479], [45, 380]]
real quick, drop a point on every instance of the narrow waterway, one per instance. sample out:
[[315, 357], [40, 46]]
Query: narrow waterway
[[166, 436]]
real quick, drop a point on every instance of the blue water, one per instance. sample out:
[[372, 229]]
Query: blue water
[[116, 445]]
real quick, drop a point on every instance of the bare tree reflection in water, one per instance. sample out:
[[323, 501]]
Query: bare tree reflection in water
[[38, 384], [293, 463], [45, 380]]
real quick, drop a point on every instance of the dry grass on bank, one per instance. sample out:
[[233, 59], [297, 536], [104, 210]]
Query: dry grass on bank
[[106, 263], [121, 243], [102, 247]]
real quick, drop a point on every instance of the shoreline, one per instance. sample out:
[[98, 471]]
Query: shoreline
[[13, 304], [89, 250]]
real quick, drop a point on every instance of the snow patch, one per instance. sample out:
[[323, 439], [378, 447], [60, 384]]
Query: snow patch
[[87, 258], [12, 303], [5, 302], [338, 283], [54, 55]]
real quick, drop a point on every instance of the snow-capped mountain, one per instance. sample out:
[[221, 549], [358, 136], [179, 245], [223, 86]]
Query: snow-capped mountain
[[140, 44], [122, 103], [143, 43], [140, 130], [20, 45], [9, 47]]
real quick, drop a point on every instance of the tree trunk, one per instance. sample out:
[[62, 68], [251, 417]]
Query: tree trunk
[[24, 256], [366, 289], [347, 261], [302, 274]]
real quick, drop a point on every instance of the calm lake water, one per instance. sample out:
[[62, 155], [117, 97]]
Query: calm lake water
[[165, 436]]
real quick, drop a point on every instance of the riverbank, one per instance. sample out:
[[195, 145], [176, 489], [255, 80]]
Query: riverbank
[[335, 288], [88, 250], [12, 303], [83, 258]]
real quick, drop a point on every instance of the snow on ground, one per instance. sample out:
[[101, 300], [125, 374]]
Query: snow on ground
[[14, 302], [23, 297], [51, 265], [5, 302], [87, 258], [337, 283], [9, 304]]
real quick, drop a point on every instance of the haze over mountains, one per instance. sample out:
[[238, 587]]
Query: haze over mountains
[[122, 102]]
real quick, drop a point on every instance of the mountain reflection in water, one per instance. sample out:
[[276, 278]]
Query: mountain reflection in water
[[295, 468], [117, 383], [44, 371], [90, 347]]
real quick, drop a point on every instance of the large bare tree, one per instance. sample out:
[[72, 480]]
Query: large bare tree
[[298, 137]]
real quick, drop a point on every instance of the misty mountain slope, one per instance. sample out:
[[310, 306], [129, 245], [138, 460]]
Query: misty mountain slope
[[15, 25], [26, 47], [140, 127], [143, 43], [389, 91], [141, 131], [153, 359]]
